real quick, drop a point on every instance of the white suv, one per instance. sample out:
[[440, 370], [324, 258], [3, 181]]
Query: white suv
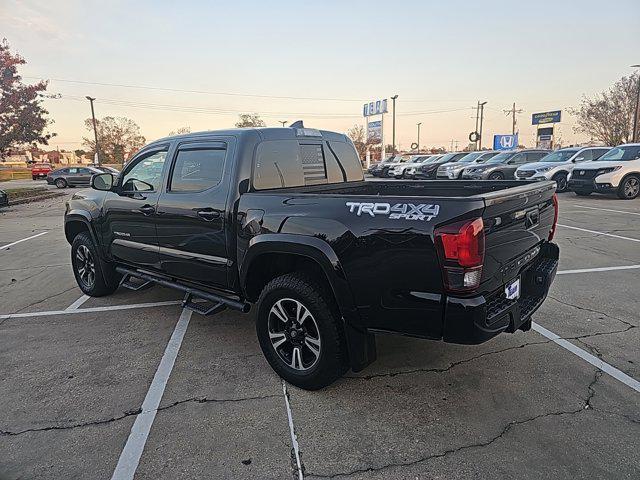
[[559, 164], [617, 171]]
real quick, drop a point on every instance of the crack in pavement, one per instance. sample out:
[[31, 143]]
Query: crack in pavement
[[585, 405], [586, 309], [34, 266], [132, 413]]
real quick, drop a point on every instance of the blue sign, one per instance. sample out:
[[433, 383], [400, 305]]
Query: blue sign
[[546, 117], [505, 142]]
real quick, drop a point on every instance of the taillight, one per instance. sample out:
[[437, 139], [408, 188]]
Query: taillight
[[552, 232], [460, 247]]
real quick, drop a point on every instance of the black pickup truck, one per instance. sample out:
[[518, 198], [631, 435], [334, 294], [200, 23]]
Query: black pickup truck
[[282, 219]]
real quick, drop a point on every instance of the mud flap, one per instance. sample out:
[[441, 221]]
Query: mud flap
[[361, 346]]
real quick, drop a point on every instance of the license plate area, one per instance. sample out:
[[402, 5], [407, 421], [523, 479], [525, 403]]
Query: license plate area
[[512, 289]]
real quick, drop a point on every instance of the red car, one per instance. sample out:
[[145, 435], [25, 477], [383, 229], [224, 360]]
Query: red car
[[41, 170]]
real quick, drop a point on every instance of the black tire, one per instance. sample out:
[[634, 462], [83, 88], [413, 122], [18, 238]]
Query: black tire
[[629, 188], [496, 176], [34, 177], [61, 183], [583, 193], [332, 361], [104, 280], [561, 182]]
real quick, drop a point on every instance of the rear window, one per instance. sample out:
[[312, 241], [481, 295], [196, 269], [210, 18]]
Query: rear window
[[294, 163]]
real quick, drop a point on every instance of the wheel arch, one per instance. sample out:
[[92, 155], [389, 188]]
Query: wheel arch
[[77, 222]]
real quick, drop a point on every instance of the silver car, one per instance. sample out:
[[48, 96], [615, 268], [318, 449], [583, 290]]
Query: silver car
[[558, 165], [72, 176], [454, 170]]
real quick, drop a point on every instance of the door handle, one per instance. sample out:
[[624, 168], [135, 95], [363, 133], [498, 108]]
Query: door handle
[[208, 214], [147, 209]]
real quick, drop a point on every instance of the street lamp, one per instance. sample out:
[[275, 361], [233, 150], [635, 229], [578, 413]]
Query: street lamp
[[394, 123], [96, 159], [481, 105], [418, 124], [634, 134]]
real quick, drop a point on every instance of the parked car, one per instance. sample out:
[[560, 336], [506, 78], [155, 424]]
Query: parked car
[[389, 168], [617, 171], [40, 170], [242, 216], [454, 170], [72, 177], [429, 169], [558, 165], [381, 169], [503, 165], [401, 170], [411, 170], [4, 199]]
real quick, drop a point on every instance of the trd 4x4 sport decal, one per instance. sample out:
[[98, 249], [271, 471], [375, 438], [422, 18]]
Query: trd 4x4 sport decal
[[399, 211]]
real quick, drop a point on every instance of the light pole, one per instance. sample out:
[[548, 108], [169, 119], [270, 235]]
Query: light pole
[[418, 124], [96, 160], [393, 128], [283, 122], [481, 118], [634, 134]]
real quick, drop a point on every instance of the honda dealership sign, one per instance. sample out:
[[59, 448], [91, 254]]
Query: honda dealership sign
[[505, 142], [374, 108]]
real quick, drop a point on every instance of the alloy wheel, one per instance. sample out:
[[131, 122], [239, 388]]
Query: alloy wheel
[[294, 334], [85, 266], [631, 187]]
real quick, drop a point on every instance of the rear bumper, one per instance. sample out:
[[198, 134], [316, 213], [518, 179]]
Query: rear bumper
[[477, 319]]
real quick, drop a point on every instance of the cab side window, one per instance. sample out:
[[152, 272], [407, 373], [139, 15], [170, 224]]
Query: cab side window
[[197, 169], [518, 159], [599, 152], [535, 156], [72, 171], [146, 174], [585, 156]]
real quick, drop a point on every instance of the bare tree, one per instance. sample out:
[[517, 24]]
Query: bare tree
[[608, 116], [357, 136], [180, 131], [118, 137], [250, 120]]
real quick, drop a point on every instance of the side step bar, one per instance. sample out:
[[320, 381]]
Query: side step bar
[[219, 302]]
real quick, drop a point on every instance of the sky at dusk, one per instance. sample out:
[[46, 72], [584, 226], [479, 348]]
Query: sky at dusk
[[332, 56]]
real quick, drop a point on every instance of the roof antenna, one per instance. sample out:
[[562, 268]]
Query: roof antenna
[[297, 124]]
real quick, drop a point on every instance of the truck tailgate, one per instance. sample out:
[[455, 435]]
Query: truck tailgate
[[516, 221]]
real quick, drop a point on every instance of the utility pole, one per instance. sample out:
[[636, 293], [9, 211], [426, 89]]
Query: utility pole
[[513, 112], [393, 127], [634, 135], [456, 145], [477, 118], [418, 124], [96, 159], [481, 105], [451, 149], [283, 122]]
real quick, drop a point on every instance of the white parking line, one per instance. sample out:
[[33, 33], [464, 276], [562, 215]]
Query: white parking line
[[23, 240], [78, 303], [598, 269], [593, 360], [294, 437], [600, 233], [90, 309], [130, 456], [607, 210]]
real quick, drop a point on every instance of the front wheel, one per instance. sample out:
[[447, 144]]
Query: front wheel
[[496, 176], [61, 183], [94, 277], [629, 188], [561, 182], [300, 332]]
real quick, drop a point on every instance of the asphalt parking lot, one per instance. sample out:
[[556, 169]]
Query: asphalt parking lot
[[130, 385]]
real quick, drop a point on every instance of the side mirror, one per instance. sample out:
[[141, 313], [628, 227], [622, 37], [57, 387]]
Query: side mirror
[[579, 159], [103, 181]]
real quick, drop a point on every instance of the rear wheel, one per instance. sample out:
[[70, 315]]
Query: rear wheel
[[496, 176], [300, 332], [94, 277], [561, 182], [629, 188], [34, 177], [583, 193], [61, 183]]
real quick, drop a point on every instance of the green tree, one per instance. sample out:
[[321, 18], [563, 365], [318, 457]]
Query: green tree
[[23, 120], [117, 138], [250, 120], [608, 116]]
